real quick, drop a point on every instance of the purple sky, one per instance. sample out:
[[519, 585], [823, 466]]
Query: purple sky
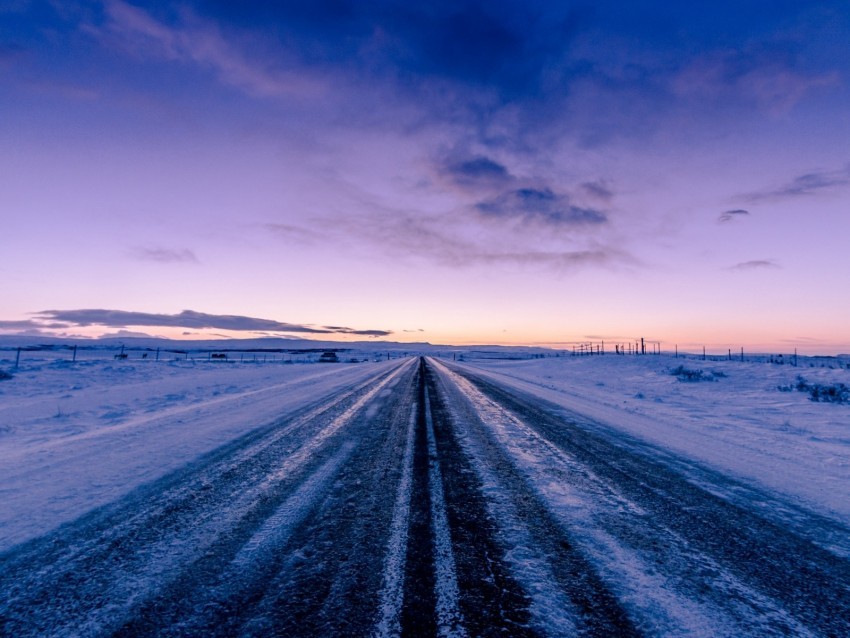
[[448, 171]]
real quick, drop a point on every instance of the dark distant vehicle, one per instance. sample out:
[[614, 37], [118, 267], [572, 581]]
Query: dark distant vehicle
[[329, 357]]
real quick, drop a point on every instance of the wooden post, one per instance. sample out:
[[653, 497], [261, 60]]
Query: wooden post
[[642, 346], [74, 358], [157, 354], [677, 351], [742, 354], [795, 357], [703, 353], [18, 357], [730, 354]]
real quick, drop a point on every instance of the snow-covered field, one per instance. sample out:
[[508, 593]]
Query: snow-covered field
[[601, 496], [74, 436], [739, 422]]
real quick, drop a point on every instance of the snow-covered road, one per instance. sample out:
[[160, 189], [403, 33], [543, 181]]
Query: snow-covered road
[[425, 499]]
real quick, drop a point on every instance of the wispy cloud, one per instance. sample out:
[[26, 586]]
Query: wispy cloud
[[542, 206], [165, 255], [198, 41], [755, 264], [559, 260], [188, 319], [806, 184], [598, 189], [291, 232], [445, 240], [731, 215], [769, 74], [27, 324]]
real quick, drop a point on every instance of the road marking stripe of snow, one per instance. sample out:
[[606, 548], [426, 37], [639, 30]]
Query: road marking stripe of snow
[[550, 608], [212, 524], [449, 618], [278, 527], [638, 582], [392, 592], [310, 447]]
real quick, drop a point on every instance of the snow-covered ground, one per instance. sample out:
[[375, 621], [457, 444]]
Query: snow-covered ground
[[74, 436], [739, 422]]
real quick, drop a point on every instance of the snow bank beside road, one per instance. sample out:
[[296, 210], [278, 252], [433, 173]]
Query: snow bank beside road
[[77, 436], [739, 423]]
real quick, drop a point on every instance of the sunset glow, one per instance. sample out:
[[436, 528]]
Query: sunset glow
[[501, 173]]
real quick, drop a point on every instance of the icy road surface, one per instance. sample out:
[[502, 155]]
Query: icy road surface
[[429, 500]]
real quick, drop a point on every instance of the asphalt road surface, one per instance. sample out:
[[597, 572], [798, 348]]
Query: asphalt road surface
[[430, 500]]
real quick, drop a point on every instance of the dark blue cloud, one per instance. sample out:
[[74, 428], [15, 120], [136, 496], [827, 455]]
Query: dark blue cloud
[[755, 264], [475, 171], [806, 184], [502, 46], [186, 319], [540, 205], [164, 255], [731, 215], [598, 189]]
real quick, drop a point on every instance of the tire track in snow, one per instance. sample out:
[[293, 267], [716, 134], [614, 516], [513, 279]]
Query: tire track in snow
[[392, 593], [449, 619], [552, 611], [677, 543], [97, 570], [238, 576], [547, 472], [324, 578]]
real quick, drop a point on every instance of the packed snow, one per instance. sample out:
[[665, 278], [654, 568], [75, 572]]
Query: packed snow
[[77, 435], [753, 420], [74, 436]]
